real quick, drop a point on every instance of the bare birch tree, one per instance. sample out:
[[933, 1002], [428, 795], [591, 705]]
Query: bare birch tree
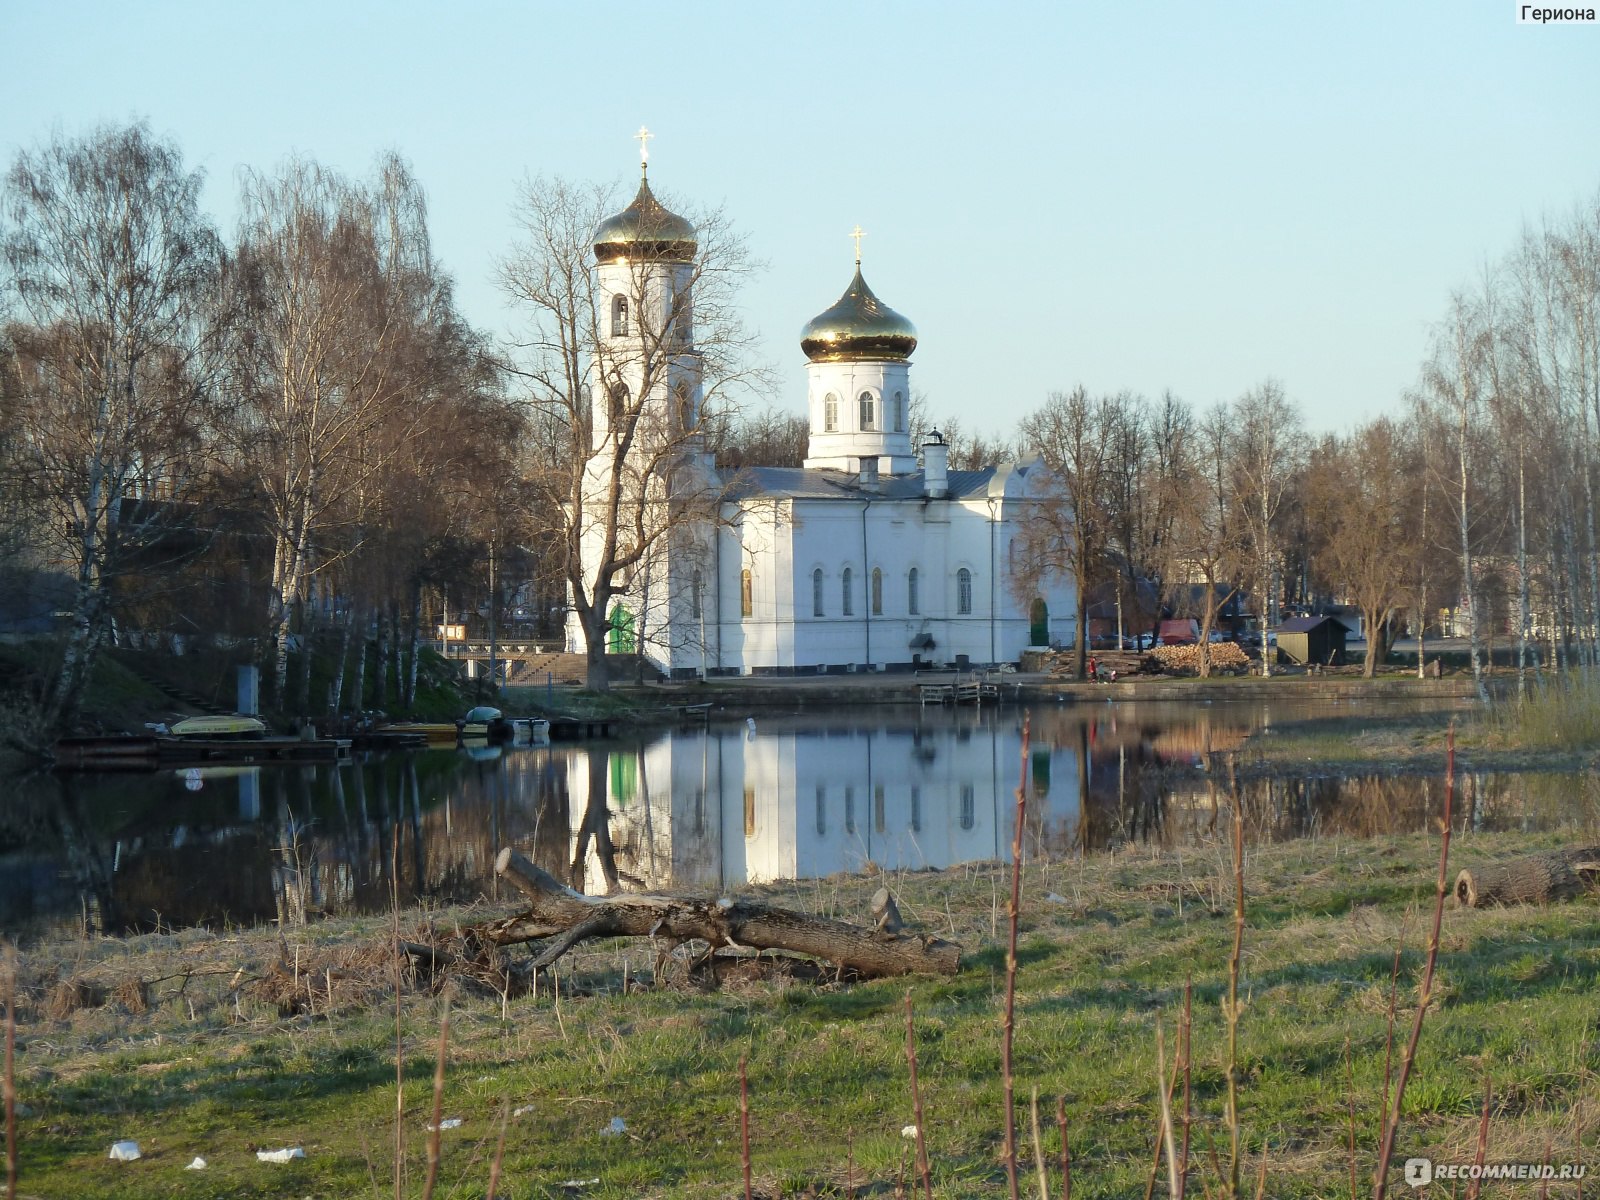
[[115, 271]]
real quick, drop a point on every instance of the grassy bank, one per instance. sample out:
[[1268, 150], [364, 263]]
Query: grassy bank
[[1556, 728], [199, 1061]]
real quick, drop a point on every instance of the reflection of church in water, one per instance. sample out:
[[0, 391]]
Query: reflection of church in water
[[721, 806]]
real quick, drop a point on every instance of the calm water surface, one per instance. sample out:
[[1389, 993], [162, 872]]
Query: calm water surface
[[800, 796]]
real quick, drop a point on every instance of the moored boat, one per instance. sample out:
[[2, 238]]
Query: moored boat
[[227, 725]]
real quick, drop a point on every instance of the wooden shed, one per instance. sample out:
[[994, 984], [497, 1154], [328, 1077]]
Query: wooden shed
[[1307, 640]]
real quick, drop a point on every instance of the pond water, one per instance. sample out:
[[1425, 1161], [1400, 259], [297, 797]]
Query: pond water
[[796, 796]]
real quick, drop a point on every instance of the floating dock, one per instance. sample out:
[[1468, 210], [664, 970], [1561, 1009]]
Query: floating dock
[[149, 753]]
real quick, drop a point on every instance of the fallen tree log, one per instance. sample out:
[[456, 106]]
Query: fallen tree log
[[568, 917], [1535, 879]]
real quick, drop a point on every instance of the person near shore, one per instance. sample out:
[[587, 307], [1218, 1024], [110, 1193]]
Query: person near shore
[[1094, 668]]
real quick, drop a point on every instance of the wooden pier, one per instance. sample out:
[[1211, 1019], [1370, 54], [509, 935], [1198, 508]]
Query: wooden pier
[[149, 753]]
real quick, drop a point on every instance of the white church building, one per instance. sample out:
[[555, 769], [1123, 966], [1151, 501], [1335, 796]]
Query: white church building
[[872, 556]]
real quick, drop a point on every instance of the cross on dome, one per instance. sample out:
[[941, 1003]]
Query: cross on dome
[[643, 138], [858, 233]]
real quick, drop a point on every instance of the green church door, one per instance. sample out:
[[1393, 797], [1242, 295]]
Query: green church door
[[621, 639], [1039, 623]]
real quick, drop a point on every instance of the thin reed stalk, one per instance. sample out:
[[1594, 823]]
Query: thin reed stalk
[[1038, 1150], [916, 1102], [744, 1127], [1350, 1098], [1164, 1086], [1380, 1181], [1388, 1037], [10, 1074], [399, 1023], [499, 1152], [1234, 957], [1066, 1154], [1008, 1025], [1482, 1150], [1186, 1032], [438, 1104]]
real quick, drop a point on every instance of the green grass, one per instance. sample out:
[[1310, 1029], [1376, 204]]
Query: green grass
[[1106, 947]]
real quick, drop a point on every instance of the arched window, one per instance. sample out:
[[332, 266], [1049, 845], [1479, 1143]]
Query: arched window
[[913, 602], [696, 593], [877, 592], [850, 810], [830, 413], [822, 811], [746, 594], [964, 592], [899, 412], [879, 816], [969, 806], [619, 402], [869, 416], [619, 316], [849, 609], [683, 407], [916, 810], [816, 593]]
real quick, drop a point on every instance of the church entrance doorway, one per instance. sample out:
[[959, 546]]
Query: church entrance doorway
[[1039, 622], [621, 639]]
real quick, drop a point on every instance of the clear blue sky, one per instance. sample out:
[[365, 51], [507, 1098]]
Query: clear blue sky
[[1184, 195]]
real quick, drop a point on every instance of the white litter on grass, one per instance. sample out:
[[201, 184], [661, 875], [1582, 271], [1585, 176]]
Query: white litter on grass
[[287, 1154], [577, 1183], [1052, 898], [447, 1123], [908, 1131], [197, 1164], [124, 1151], [523, 1111], [618, 1126]]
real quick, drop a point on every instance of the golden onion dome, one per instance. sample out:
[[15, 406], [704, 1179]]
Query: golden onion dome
[[859, 326], [645, 230]]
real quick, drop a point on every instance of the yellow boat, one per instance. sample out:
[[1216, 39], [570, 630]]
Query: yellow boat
[[230, 725]]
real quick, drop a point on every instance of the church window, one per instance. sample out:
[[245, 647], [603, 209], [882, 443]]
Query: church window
[[877, 592], [684, 407], [619, 402], [696, 592], [619, 316], [869, 417], [916, 810], [913, 603], [969, 806], [879, 816], [964, 592], [822, 811], [749, 812], [849, 608], [747, 605], [850, 810], [816, 593], [899, 412], [830, 413]]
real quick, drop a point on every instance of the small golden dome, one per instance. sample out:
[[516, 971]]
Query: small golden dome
[[645, 230], [859, 326]]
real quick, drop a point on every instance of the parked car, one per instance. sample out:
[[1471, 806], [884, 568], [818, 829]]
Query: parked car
[[1137, 641]]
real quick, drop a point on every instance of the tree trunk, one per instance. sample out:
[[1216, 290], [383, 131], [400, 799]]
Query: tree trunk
[[380, 681], [1538, 878], [559, 913], [336, 693], [416, 644], [359, 691]]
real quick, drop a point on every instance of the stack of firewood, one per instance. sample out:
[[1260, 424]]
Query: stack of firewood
[[1225, 656]]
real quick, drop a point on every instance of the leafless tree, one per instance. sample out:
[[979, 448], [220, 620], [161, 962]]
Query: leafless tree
[[340, 291], [1074, 437], [114, 270], [1264, 456]]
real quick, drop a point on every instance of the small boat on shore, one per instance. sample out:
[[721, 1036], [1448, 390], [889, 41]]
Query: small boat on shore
[[228, 725]]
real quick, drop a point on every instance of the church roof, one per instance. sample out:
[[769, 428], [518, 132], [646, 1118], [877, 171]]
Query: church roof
[[797, 483], [646, 229], [859, 326]]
